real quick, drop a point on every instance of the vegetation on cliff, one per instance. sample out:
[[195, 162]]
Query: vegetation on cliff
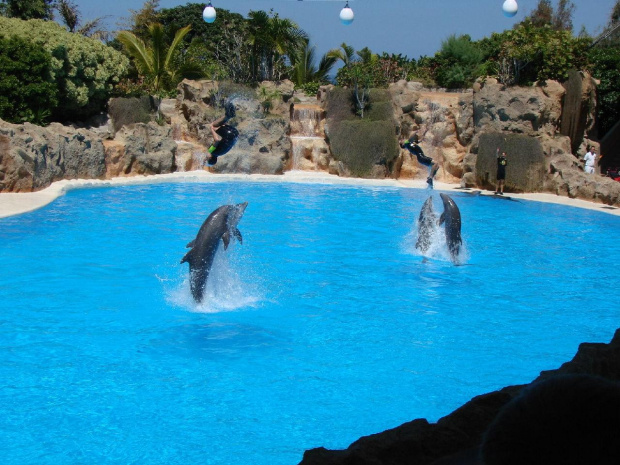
[[83, 70]]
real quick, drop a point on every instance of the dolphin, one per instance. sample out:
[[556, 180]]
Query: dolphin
[[426, 226], [220, 224], [451, 216]]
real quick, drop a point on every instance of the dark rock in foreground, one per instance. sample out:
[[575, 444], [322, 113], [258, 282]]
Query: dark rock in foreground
[[457, 438]]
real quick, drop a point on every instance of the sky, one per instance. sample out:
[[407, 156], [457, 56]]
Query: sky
[[410, 27]]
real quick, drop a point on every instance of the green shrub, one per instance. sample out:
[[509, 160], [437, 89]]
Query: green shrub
[[126, 111], [309, 88], [27, 92], [85, 70], [360, 144]]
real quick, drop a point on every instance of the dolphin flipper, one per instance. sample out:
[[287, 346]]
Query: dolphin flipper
[[191, 244], [237, 234], [189, 257], [442, 218], [226, 239]]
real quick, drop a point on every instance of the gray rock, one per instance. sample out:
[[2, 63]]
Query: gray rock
[[32, 157]]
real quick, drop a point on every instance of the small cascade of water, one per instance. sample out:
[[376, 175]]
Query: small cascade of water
[[309, 148]]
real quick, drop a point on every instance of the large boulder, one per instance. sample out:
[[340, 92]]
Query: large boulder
[[443, 122], [147, 149], [526, 162], [32, 157], [457, 437], [263, 146]]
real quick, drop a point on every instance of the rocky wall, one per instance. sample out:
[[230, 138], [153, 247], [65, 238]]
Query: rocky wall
[[456, 439]]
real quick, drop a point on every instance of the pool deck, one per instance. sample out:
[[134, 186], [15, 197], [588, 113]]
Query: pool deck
[[17, 203]]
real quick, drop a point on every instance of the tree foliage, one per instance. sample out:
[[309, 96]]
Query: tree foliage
[[273, 39], [459, 62], [560, 19], [304, 68], [83, 69], [221, 47], [155, 61], [27, 92], [28, 9], [605, 66], [72, 18]]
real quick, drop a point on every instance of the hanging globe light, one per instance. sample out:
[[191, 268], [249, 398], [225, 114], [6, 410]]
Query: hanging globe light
[[209, 13], [510, 8], [346, 15]]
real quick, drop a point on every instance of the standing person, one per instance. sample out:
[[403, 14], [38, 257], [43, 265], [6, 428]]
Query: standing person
[[501, 172], [412, 145], [590, 160], [224, 136]]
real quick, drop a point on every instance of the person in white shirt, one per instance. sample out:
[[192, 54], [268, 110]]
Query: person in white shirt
[[590, 160]]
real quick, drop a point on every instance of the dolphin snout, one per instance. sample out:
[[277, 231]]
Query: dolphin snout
[[241, 207]]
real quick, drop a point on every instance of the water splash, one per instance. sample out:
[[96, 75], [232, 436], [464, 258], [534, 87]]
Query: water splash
[[226, 289], [438, 248]]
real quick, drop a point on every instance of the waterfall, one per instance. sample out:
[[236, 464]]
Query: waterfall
[[308, 145]]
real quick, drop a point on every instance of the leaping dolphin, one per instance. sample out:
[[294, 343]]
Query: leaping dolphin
[[220, 224], [451, 216], [426, 226]]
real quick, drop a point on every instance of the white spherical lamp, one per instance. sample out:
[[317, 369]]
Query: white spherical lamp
[[346, 15], [510, 8], [209, 13]]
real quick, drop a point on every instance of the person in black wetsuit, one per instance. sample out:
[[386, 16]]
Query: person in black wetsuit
[[501, 172], [224, 136], [412, 145]]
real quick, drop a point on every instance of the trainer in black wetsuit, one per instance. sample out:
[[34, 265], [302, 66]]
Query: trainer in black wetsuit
[[501, 172], [224, 136], [415, 149]]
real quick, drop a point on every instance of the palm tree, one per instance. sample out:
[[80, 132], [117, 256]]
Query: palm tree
[[70, 15], [156, 61], [345, 53], [272, 39], [305, 69]]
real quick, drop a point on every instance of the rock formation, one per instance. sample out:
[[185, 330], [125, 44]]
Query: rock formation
[[457, 437], [33, 157], [538, 126]]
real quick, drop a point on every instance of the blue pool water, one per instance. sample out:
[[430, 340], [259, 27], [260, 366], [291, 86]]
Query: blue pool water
[[324, 326]]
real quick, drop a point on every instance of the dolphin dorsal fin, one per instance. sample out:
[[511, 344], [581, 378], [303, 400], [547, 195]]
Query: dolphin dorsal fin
[[226, 239], [237, 234], [191, 244]]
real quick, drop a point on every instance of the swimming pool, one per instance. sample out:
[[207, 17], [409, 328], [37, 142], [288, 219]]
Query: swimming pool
[[324, 326]]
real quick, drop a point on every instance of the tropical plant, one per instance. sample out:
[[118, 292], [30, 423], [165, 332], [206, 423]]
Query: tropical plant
[[156, 61], [266, 96], [345, 53], [84, 70], [27, 91], [273, 39], [70, 15], [304, 69], [140, 20]]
